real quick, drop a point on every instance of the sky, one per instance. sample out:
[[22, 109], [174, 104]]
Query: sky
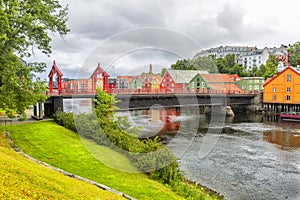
[[125, 36]]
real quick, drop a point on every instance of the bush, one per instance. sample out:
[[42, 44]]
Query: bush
[[148, 155], [65, 119]]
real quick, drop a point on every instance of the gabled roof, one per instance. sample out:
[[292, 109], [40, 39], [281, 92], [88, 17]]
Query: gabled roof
[[150, 77], [285, 69], [128, 78], [226, 87], [54, 70], [217, 78], [252, 78], [184, 76], [99, 70]]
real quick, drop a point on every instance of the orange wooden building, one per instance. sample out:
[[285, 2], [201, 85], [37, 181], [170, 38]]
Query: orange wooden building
[[282, 92]]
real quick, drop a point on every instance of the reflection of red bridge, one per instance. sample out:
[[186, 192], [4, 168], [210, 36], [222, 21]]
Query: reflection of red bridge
[[100, 79]]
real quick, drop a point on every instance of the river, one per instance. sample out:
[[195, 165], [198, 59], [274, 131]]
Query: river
[[241, 157]]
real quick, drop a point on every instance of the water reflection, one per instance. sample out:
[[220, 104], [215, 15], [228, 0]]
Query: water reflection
[[156, 121], [262, 164], [284, 140]]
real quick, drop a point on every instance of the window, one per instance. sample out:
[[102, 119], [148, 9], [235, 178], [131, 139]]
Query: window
[[193, 85], [172, 84], [288, 97], [256, 87], [203, 84], [288, 89], [162, 85], [274, 89], [289, 78], [274, 97], [250, 87]]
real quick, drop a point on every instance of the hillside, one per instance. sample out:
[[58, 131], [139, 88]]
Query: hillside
[[21, 178], [62, 148]]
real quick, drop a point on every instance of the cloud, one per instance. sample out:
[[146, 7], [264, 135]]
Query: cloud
[[114, 34]]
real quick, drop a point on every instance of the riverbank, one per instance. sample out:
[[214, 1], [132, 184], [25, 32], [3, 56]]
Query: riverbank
[[51, 143]]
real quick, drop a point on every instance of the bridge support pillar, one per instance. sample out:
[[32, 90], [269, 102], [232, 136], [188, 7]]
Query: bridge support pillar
[[34, 110], [40, 110], [52, 105]]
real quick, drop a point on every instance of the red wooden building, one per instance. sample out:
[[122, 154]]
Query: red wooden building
[[55, 79], [99, 79], [178, 80]]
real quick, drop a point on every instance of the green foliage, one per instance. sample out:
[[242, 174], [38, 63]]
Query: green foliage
[[199, 63], [255, 71], [25, 24], [294, 54], [205, 63], [65, 119], [105, 104], [148, 155], [18, 90], [240, 70], [230, 60], [270, 68], [163, 71], [184, 64], [222, 66]]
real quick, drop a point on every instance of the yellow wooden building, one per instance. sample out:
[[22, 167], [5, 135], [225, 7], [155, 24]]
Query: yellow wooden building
[[282, 92]]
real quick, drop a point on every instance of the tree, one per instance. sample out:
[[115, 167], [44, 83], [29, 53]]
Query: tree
[[205, 63], [163, 71], [270, 68], [255, 71], [24, 24], [105, 104], [222, 66], [183, 65], [294, 54], [230, 60], [240, 70]]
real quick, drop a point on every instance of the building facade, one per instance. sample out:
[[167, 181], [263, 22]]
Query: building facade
[[178, 80], [217, 83], [222, 51], [283, 88], [251, 84]]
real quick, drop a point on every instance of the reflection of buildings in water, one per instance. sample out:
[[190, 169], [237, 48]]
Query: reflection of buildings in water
[[170, 118], [282, 139]]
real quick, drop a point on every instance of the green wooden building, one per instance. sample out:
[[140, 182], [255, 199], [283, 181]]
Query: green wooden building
[[251, 84], [136, 83]]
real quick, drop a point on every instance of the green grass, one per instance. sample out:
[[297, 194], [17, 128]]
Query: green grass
[[62, 148], [21, 178]]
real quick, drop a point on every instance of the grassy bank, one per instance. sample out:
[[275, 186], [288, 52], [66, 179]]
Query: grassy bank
[[21, 178], [62, 148]]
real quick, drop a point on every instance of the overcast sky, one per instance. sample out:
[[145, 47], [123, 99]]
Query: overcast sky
[[125, 36]]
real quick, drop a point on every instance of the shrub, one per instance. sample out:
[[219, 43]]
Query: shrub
[[149, 155]]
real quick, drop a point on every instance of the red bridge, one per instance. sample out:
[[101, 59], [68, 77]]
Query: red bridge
[[101, 79]]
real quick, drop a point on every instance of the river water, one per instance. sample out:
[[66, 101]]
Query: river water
[[241, 157]]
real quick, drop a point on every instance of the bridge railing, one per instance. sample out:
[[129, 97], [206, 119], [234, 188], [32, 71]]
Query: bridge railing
[[145, 91]]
